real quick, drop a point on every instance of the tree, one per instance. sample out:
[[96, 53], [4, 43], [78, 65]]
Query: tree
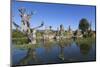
[[83, 25]]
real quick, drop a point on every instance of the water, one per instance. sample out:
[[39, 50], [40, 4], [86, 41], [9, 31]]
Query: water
[[54, 52]]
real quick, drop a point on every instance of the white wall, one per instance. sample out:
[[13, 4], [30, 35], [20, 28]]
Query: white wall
[[5, 33]]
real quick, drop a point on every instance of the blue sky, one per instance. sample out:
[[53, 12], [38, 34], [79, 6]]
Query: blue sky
[[55, 14]]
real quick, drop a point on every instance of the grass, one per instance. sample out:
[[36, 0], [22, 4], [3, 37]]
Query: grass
[[37, 45]]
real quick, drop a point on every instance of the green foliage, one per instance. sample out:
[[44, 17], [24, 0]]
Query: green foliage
[[87, 40], [20, 41], [18, 37], [17, 34], [83, 25]]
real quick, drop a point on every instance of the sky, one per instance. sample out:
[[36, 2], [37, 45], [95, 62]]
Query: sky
[[55, 14]]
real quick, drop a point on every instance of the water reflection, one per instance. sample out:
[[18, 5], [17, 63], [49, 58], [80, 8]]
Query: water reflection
[[85, 48], [47, 45], [85, 45], [30, 58], [62, 44], [64, 50]]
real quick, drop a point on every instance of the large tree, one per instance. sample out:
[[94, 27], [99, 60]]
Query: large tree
[[83, 25]]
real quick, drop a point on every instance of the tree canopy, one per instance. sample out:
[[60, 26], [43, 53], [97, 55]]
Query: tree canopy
[[83, 25]]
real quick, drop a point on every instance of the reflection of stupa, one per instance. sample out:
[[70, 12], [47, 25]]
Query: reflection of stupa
[[61, 54], [69, 33]]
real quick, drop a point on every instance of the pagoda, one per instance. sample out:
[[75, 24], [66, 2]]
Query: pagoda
[[69, 33]]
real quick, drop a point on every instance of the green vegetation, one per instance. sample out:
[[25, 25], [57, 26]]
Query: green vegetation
[[46, 44], [19, 38], [17, 34], [83, 25], [87, 40]]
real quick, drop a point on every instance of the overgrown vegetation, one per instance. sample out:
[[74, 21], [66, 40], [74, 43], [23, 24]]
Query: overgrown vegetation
[[18, 37]]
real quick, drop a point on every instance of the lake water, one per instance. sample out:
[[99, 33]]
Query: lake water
[[54, 52]]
